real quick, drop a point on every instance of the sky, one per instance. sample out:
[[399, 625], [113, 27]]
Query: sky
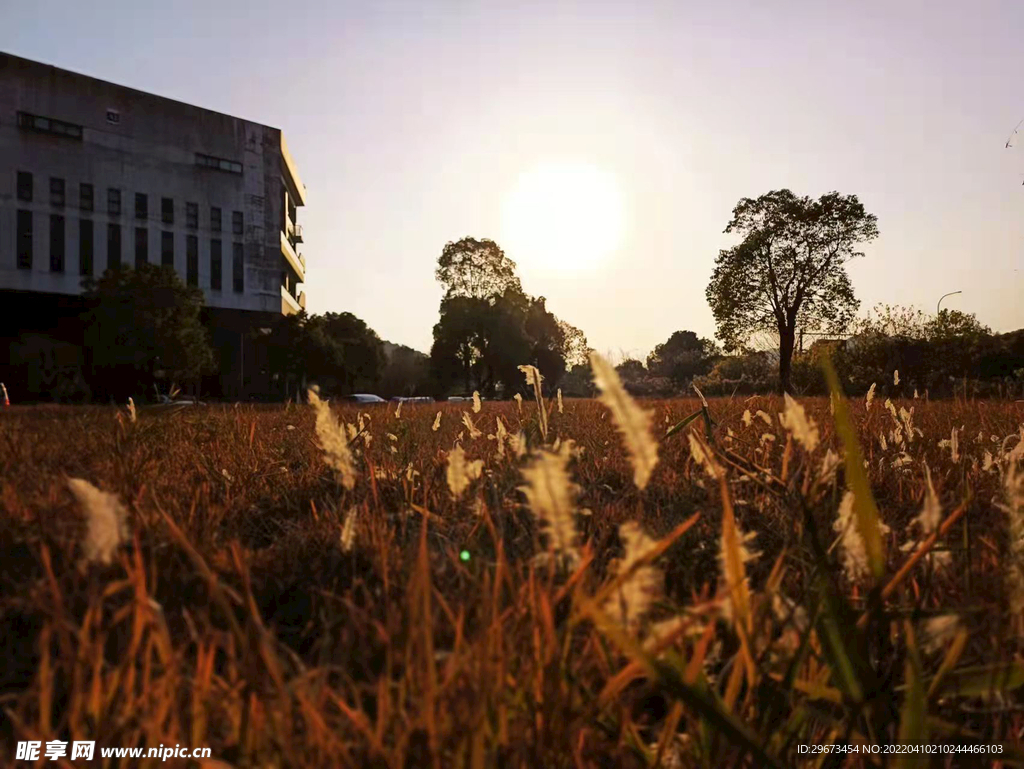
[[412, 124]]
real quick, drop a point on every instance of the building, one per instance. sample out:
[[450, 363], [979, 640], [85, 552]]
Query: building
[[95, 176]]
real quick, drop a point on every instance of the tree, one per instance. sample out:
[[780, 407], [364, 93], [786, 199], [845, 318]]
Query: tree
[[547, 343], [353, 354], [631, 368], [477, 269], [338, 350], [578, 381], [682, 357], [893, 320], [405, 370], [575, 349], [788, 271], [488, 326], [953, 325], [142, 321], [479, 343]]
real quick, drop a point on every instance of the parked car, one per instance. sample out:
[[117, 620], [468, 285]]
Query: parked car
[[412, 399], [364, 398]]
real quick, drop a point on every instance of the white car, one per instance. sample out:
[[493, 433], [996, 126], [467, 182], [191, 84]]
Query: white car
[[364, 398]]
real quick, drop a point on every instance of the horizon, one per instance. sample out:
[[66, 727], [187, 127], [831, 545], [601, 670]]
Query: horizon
[[406, 142]]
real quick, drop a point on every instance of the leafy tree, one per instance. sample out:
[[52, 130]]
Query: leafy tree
[[575, 349], [479, 343], [488, 326], [953, 325], [578, 381], [789, 269], [631, 368], [338, 350], [683, 356], [141, 321], [893, 320], [353, 353], [405, 371], [477, 269], [547, 342]]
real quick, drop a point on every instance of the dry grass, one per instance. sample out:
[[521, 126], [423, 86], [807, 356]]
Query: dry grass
[[263, 609]]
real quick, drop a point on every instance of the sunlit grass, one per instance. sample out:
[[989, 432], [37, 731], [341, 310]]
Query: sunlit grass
[[286, 608]]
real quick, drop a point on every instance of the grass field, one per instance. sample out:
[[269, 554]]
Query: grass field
[[261, 608]]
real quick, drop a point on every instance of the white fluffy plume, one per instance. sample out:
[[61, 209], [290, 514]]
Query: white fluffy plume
[[106, 521]]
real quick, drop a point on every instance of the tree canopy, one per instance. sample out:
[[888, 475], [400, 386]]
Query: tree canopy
[[336, 350], [788, 271], [405, 371], [477, 269], [140, 322], [488, 326], [682, 356]]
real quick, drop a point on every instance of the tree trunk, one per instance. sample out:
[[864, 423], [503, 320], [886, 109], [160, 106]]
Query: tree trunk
[[787, 338]]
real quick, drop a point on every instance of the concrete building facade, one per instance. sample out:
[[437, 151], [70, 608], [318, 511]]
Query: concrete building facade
[[95, 176]]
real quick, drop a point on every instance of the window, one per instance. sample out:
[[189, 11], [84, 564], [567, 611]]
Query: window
[[192, 260], [113, 116], [237, 269], [85, 238], [236, 223], [215, 219], [24, 240], [56, 192], [25, 186], [141, 246], [113, 201], [85, 196], [56, 243], [167, 210], [48, 125], [216, 265], [192, 215], [167, 249], [141, 205], [113, 246], [220, 164]]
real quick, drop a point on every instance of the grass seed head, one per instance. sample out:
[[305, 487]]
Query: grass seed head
[[632, 422], [106, 521], [461, 471], [633, 599], [803, 428], [551, 497], [334, 442], [474, 433]]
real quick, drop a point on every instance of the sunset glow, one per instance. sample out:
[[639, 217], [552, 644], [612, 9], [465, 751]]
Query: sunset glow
[[564, 216]]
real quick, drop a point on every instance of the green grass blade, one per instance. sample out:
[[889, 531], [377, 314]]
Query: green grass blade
[[982, 680], [913, 726], [856, 478], [680, 425]]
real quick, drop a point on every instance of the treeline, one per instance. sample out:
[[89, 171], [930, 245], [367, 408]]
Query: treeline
[[784, 279], [938, 356]]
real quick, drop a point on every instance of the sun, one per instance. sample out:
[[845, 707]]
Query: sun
[[564, 216]]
